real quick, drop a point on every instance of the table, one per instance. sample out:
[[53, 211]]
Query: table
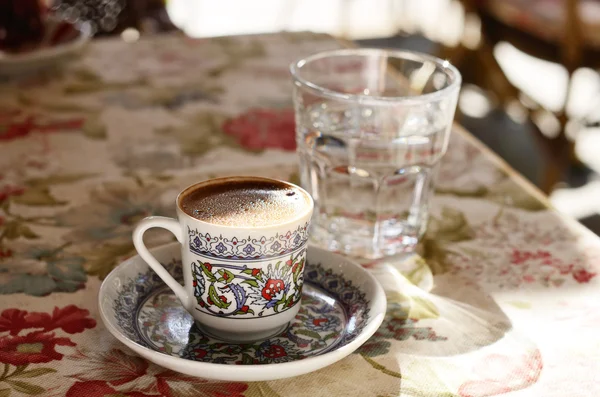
[[504, 298]]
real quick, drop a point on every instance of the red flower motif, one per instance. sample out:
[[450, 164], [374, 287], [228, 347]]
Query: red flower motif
[[289, 262], [133, 376], [14, 321], [264, 128], [99, 388], [200, 353], [35, 347], [14, 124], [298, 265], [9, 191], [70, 319], [208, 266], [583, 276], [275, 351], [244, 309], [5, 253], [272, 288], [255, 272]]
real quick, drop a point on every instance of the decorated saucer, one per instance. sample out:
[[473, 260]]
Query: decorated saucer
[[342, 306]]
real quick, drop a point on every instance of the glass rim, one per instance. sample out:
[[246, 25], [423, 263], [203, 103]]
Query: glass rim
[[452, 72]]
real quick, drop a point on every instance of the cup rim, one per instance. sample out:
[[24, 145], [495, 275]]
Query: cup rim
[[444, 65], [207, 182]]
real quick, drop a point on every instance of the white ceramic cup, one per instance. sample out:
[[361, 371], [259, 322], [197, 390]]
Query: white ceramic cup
[[240, 283]]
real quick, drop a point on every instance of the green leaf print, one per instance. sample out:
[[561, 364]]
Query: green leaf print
[[226, 276], [25, 388], [450, 227], [381, 368], [298, 271], [15, 229], [249, 311], [260, 389], [201, 134], [94, 128], [251, 282], [211, 277], [308, 332], [246, 359], [420, 271], [422, 308], [101, 261], [37, 196], [212, 293], [34, 373]]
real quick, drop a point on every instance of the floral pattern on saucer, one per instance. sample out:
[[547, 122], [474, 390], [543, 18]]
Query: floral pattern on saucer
[[333, 312]]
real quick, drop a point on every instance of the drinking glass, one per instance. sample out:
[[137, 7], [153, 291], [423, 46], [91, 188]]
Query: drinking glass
[[371, 128]]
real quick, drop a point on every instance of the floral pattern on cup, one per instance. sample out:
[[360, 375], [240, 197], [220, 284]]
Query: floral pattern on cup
[[225, 289], [219, 247]]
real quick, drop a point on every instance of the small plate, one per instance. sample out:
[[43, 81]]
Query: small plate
[[342, 306]]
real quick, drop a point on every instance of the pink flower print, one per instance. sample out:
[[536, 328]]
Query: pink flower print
[[583, 276], [498, 374], [8, 191], [259, 129], [16, 124]]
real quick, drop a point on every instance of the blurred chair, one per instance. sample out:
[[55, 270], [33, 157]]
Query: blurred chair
[[566, 32]]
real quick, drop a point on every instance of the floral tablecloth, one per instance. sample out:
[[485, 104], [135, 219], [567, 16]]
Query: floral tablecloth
[[503, 298]]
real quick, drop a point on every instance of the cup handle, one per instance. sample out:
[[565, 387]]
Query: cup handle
[[174, 227]]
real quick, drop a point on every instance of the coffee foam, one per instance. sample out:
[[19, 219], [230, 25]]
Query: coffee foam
[[245, 203]]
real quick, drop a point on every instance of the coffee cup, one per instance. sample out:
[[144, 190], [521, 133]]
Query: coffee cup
[[243, 249]]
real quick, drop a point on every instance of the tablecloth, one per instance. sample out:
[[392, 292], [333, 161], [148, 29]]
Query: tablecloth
[[502, 298]]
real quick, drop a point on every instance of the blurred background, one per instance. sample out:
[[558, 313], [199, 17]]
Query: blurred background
[[531, 87]]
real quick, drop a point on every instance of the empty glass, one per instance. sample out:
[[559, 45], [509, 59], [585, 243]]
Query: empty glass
[[371, 127]]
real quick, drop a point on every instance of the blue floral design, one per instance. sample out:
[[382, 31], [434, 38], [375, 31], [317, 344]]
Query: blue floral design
[[220, 247], [249, 249], [324, 323], [39, 271], [274, 351], [240, 247], [199, 283]]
